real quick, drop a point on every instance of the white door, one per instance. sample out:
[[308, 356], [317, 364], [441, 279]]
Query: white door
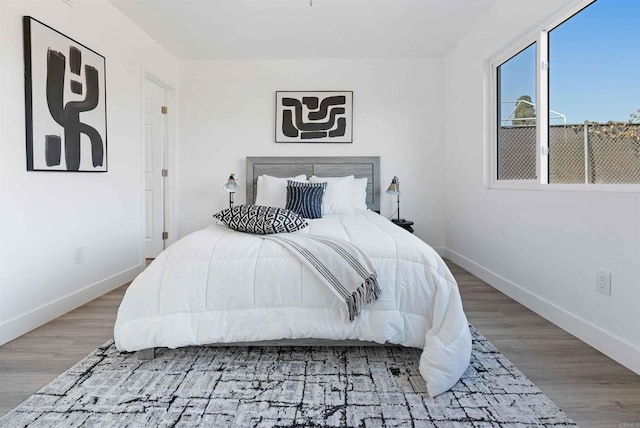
[[155, 136]]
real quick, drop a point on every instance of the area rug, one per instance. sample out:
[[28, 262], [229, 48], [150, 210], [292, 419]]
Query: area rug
[[283, 387]]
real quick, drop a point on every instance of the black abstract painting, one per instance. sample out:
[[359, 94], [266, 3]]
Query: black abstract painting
[[66, 120], [314, 117]]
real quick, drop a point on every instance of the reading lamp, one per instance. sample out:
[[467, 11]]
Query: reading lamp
[[394, 189], [231, 186]]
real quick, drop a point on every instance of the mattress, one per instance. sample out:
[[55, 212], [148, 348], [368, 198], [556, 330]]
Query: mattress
[[217, 285]]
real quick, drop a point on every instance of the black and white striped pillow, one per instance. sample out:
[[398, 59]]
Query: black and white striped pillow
[[261, 220], [305, 198]]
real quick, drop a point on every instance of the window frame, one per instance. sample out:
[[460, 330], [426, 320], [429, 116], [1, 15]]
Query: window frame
[[538, 35]]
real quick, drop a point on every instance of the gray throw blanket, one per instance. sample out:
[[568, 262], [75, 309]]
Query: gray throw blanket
[[346, 270]]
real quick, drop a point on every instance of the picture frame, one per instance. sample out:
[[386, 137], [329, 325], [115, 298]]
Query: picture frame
[[65, 102], [314, 117]]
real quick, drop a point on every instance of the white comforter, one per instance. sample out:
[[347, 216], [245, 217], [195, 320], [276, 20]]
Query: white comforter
[[217, 285]]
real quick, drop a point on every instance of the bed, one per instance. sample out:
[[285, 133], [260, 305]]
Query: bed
[[220, 286]]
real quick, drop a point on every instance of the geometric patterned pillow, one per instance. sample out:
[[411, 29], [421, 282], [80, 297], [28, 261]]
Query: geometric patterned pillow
[[261, 220], [305, 198]]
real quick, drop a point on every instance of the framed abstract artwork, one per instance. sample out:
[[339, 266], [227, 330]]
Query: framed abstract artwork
[[65, 101], [314, 117]]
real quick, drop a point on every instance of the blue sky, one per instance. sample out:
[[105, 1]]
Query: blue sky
[[594, 65]]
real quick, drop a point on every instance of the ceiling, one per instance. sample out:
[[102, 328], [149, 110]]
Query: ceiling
[[294, 29]]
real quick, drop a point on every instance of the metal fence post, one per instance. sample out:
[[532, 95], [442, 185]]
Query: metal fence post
[[586, 152]]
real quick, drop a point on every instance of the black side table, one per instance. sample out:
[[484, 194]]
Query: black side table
[[403, 223]]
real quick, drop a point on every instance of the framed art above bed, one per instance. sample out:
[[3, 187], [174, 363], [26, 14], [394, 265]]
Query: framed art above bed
[[314, 117]]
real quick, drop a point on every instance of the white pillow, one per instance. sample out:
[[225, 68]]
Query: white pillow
[[359, 200], [338, 197], [272, 191]]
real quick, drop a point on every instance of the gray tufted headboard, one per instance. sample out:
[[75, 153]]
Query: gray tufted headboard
[[321, 166]]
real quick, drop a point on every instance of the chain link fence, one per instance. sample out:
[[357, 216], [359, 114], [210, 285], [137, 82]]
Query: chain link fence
[[583, 153], [517, 153]]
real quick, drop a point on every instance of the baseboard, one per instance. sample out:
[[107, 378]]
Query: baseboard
[[614, 347], [24, 323]]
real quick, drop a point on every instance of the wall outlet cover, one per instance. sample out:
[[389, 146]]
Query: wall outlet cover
[[78, 255], [603, 282]]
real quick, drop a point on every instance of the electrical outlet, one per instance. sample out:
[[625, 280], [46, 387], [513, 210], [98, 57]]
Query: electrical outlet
[[78, 255], [603, 282]]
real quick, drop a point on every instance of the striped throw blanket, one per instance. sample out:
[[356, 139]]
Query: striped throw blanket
[[346, 270]]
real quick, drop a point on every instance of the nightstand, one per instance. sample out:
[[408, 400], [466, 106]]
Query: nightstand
[[404, 223]]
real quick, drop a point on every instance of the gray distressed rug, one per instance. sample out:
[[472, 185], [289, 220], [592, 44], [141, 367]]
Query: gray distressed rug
[[283, 387]]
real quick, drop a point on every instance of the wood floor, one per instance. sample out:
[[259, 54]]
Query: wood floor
[[594, 390]]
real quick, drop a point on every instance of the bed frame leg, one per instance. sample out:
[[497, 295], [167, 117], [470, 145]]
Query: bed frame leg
[[146, 354]]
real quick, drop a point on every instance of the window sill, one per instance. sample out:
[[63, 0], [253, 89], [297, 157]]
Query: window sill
[[607, 188]]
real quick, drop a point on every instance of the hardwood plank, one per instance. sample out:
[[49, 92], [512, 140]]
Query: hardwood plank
[[36, 358], [593, 389]]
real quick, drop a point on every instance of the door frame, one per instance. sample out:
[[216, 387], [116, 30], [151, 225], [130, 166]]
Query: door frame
[[171, 182]]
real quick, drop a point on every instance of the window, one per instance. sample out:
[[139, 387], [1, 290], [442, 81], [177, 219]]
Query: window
[[517, 113], [567, 105]]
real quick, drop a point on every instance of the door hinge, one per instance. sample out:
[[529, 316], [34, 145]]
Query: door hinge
[[165, 235], [164, 110], [165, 172]]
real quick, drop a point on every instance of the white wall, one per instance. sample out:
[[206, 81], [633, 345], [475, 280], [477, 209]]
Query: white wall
[[540, 247], [44, 215], [228, 113]]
